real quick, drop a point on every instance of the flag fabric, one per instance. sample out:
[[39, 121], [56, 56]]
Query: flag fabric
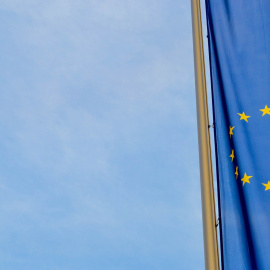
[[239, 46]]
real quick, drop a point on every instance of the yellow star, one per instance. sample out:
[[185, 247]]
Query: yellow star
[[232, 155], [231, 131], [265, 111], [236, 172], [243, 116], [267, 186], [245, 179]]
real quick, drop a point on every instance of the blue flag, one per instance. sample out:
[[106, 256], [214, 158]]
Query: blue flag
[[239, 44]]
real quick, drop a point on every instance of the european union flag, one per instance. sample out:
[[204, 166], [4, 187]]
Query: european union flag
[[239, 43]]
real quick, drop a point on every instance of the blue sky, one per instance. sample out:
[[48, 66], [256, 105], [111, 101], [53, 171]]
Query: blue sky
[[99, 162]]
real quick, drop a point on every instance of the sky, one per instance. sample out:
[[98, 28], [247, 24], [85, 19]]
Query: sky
[[98, 136]]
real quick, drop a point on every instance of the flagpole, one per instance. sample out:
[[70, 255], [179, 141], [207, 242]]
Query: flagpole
[[206, 172]]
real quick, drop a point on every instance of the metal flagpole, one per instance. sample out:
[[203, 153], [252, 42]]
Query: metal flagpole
[[206, 174]]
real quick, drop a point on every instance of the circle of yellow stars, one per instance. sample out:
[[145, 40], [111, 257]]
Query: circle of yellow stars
[[246, 178]]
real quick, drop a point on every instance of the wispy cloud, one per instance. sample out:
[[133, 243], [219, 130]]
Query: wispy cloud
[[98, 132]]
